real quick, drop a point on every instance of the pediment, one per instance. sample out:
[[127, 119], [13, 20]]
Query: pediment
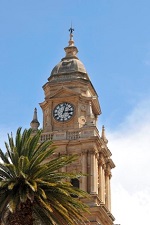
[[63, 92]]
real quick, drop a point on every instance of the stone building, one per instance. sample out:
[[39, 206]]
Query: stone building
[[70, 112]]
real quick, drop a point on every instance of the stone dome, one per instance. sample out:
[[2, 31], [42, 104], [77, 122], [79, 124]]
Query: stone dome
[[68, 65]]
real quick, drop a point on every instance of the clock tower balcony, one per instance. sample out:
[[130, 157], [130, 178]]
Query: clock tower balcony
[[72, 134]]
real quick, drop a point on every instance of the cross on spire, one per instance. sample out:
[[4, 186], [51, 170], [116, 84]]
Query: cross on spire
[[71, 30], [71, 41], [71, 50]]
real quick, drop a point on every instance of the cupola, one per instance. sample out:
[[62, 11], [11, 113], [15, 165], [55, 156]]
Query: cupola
[[70, 64]]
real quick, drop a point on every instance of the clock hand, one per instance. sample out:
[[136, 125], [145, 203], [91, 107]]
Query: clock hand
[[64, 109]]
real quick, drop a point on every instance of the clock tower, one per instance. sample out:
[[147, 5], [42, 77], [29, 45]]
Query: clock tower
[[70, 112]]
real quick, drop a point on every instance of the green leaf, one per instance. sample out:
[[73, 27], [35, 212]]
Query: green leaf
[[32, 184], [11, 185]]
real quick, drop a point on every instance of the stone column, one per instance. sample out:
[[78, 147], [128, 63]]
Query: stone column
[[101, 179], [100, 172], [92, 172], [84, 170], [109, 204], [103, 183], [108, 191], [96, 172]]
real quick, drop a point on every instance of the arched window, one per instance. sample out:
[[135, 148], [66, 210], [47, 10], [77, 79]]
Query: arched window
[[75, 182]]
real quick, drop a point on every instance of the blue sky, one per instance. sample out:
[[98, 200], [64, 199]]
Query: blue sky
[[113, 39]]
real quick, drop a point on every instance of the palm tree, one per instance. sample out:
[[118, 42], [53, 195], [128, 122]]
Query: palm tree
[[32, 190]]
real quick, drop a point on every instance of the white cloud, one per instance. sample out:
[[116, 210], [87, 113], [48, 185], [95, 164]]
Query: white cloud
[[131, 208], [130, 147]]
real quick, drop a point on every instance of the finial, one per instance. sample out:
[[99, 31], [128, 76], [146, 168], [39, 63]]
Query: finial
[[35, 123], [35, 114], [71, 29], [103, 135], [71, 50], [71, 41]]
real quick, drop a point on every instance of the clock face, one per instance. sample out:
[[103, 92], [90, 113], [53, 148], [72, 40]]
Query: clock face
[[63, 112]]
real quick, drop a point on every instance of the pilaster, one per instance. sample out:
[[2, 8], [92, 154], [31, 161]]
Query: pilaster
[[93, 185], [84, 170], [108, 189]]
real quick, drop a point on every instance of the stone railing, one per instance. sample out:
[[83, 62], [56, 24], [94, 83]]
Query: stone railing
[[47, 136], [73, 135], [70, 135]]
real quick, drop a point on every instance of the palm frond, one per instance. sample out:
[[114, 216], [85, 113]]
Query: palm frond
[[30, 173]]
